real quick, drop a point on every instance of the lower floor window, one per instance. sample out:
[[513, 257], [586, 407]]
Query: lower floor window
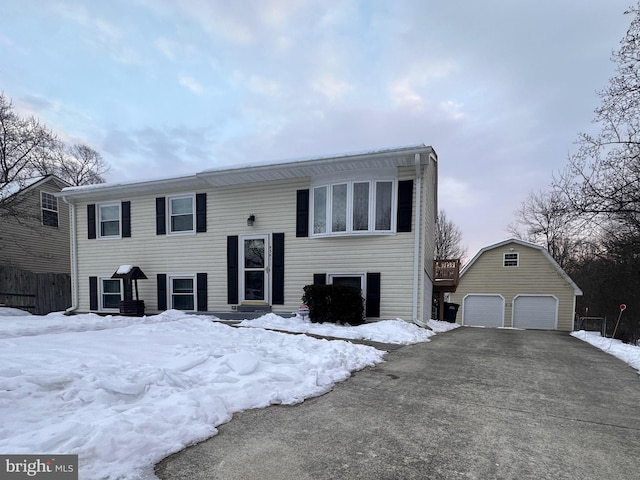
[[355, 280], [111, 294], [182, 293]]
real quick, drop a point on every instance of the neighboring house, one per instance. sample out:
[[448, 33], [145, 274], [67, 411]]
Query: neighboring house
[[517, 284], [250, 238], [35, 227], [34, 246]]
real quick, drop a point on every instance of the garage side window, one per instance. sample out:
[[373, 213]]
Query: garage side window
[[511, 260]]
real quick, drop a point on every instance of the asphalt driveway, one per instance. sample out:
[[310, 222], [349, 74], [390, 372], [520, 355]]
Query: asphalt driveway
[[471, 404]]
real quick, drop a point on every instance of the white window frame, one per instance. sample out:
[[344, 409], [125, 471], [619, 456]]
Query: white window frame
[[101, 293], [505, 259], [194, 294], [99, 220], [170, 230], [328, 221], [47, 206]]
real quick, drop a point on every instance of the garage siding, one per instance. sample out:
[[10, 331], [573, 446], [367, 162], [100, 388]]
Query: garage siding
[[538, 312], [534, 275], [483, 310]]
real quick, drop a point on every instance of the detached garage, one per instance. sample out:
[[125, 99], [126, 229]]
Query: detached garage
[[515, 284]]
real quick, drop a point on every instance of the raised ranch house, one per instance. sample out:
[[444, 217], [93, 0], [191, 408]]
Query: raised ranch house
[[34, 246], [517, 284], [250, 238]]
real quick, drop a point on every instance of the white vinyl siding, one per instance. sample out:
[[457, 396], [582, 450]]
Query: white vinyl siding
[[389, 255], [535, 312]]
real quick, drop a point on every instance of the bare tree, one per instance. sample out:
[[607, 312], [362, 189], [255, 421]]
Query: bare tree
[[77, 164], [602, 179], [548, 220], [29, 149], [448, 244], [23, 143]]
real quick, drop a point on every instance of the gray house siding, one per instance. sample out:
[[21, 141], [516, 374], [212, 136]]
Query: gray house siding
[[27, 243]]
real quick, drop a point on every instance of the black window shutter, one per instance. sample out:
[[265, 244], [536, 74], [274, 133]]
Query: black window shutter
[[91, 221], [201, 212], [202, 292], [405, 205], [319, 278], [373, 295], [126, 219], [232, 269], [302, 213], [161, 222], [277, 293], [162, 291], [93, 293]]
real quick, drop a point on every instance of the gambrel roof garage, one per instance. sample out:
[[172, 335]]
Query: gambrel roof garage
[[516, 284]]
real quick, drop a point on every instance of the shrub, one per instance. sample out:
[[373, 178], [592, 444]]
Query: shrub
[[334, 303]]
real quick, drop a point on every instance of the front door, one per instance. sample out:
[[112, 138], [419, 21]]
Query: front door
[[254, 260]]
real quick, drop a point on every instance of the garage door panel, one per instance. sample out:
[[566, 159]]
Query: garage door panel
[[538, 312], [483, 310]]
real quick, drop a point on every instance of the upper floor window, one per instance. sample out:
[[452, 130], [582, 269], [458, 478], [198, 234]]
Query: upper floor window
[[181, 214], [353, 207], [49, 204], [511, 260], [109, 220]]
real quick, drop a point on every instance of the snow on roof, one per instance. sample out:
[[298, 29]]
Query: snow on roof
[[124, 269]]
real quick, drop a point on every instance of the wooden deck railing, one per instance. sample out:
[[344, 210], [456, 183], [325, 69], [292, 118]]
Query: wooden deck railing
[[446, 271]]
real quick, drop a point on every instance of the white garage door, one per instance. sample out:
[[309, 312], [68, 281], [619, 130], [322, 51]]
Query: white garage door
[[483, 310], [535, 311]]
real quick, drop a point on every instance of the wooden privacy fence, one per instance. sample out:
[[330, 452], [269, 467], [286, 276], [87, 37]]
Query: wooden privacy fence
[[37, 293]]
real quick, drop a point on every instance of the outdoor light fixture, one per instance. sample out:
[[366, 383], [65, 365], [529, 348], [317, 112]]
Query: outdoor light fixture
[[251, 219]]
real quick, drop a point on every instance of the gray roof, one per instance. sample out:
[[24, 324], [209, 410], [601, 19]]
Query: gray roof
[[544, 251]]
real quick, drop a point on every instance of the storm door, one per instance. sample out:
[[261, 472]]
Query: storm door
[[254, 261]]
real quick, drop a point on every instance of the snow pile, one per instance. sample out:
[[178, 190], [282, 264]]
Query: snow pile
[[13, 312], [439, 327], [123, 393], [20, 326], [395, 331], [629, 354]]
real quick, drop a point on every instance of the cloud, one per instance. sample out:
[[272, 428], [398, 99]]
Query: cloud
[[455, 192], [191, 84], [331, 87]]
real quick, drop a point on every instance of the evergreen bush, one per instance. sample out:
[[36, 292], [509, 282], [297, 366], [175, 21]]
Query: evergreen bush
[[339, 304]]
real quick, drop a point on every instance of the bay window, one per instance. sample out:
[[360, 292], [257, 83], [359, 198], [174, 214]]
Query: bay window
[[354, 207]]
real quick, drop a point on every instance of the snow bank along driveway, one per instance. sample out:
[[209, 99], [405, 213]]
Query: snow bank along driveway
[[123, 393]]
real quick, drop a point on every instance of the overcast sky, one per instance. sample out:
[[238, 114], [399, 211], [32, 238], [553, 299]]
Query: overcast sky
[[500, 88]]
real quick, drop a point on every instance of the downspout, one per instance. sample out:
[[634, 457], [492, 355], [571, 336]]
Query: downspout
[[416, 245], [74, 257]]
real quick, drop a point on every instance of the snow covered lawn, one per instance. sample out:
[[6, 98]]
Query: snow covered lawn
[[122, 393]]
